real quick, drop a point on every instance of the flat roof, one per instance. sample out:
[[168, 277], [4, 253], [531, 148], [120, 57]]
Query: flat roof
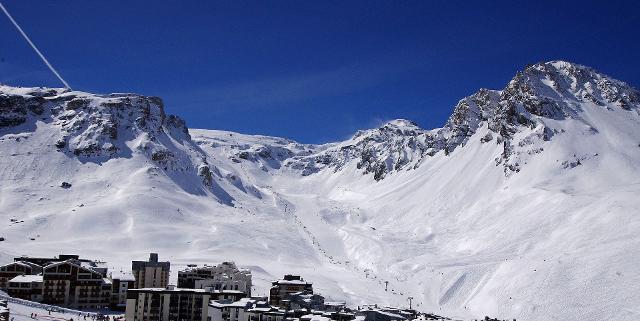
[[292, 282], [122, 276], [142, 264], [225, 291]]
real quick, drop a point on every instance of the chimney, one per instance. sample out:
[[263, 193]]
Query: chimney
[[153, 257]]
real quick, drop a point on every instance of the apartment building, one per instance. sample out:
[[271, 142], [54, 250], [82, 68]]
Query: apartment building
[[26, 287], [290, 284], [167, 304], [11, 270], [70, 284], [120, 283], [224, 276], [151, 273], [228, 310]]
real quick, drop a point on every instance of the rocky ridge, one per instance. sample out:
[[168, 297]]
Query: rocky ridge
[[98, 127], [529, 104]]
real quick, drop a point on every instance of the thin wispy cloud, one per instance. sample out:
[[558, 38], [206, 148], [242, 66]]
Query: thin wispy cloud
[[269, 93], [16, 75]]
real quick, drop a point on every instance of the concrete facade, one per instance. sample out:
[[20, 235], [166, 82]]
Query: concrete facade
[[167, 304], [152, 273]]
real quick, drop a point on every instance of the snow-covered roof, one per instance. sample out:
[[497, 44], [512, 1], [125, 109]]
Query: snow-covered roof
[[61, 263], [240, 303], [292, 282], [227, 269], [389, 314], [314, 317], [265, 309], [26, 279], [122, 276], [22, 263], [226, 291], [94, 265], [74, 263], [219, 304]]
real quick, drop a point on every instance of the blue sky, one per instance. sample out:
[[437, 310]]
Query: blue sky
[[314, 71]]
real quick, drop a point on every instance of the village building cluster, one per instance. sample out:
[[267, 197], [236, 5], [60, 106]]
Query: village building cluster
[[69, 281], [203, 293], [222, 277]]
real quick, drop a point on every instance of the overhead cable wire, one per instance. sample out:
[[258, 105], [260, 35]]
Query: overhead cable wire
[[55, 72]]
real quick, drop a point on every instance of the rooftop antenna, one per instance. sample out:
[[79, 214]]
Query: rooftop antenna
[[66, 85]]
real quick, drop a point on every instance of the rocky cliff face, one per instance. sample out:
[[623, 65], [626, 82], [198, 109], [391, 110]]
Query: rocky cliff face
[[91, 125], [547, 92], [97, 128]]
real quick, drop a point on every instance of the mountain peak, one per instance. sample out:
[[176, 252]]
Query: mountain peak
[[555, 89], [559, 64], [402, 123]]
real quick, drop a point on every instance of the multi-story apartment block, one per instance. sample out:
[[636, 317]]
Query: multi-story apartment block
[[265, 313], [26, 287], [120, 283], [151, 274], [288, 285], [11, 270], [304, 301], [70, 284], [224, 276], [167, 304]]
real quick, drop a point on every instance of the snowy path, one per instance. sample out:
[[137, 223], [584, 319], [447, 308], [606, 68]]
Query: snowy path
[[23, 312]]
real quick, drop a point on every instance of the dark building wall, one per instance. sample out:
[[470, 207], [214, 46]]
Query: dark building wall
[[68, 284], [10, 271], [182, 305], [27, 291]]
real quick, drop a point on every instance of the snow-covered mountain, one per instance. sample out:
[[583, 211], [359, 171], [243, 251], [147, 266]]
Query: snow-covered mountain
[[523, 205]]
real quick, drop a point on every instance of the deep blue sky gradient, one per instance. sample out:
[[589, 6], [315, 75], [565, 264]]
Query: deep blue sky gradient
[[313, 71]]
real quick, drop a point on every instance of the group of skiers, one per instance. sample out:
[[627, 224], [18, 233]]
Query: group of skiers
[[95, 317]]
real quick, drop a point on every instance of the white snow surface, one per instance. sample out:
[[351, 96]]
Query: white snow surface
[[22, 310], [548, 232]]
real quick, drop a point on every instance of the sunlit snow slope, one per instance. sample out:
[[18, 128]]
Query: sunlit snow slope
[[524, 205]]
